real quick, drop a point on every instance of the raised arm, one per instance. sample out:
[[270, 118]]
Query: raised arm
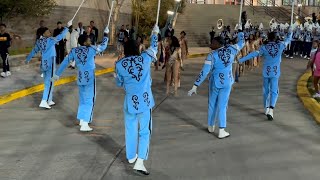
[[69, 58], [241, 42], [288, 39], [61, 35], [153, 49], [103, 46], [34, 51], [250, 56]]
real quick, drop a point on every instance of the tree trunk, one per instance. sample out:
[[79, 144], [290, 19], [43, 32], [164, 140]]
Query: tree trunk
[[114, 24]]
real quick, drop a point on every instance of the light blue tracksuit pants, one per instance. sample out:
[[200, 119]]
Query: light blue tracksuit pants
[[218, 104], [270, 91], [48, 84], [138, 133], [87, 97]]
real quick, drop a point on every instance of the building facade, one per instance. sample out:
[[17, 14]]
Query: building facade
[[259, 2]]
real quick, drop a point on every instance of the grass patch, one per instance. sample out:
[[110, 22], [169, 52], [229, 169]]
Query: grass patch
[[311, 89], [26, 50]]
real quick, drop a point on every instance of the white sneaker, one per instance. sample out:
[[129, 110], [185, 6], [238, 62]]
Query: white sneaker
[[270, 115], [317, 95], [85, 127], [41, 75], [211, 129], [308, 58], [291, 57], [267, 111], [133, 159], [305, 56], [44, 104], [51, 103], [139, 167], [3, 74], [223, 134], [287, 56], [8, 73]]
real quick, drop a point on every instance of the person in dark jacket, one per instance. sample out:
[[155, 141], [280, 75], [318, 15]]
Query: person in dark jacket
[[212, 34], [169, 32], [60, 46], [243, 19], [5, 43], [95, 31], [40, 29]]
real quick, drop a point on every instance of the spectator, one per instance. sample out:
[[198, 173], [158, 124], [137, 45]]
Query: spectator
[[128, 30], [60, 50], [169, 32], [90, 35], [95, 31], [141, 46], [212, 34], [184, 48], [314, 18], [243, 19], [132, 33], [5, 43], [38, 35], [80, 29], [72, 42], [314, 64], [121, 36], [40, 29], [160, 54]]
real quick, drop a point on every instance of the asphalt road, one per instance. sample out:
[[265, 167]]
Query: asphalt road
[[38, 144]]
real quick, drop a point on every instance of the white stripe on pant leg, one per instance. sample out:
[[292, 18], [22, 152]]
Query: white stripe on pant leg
[[7, 59], [150, 121], [94, 97]]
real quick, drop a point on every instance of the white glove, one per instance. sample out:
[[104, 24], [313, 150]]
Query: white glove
[[193, 90], [55, 78], [156, 29], [69, 23], [106, 30]]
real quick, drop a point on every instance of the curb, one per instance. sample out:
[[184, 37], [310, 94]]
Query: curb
[[309, 103], [40, 87], [6, 98], [197, 55]]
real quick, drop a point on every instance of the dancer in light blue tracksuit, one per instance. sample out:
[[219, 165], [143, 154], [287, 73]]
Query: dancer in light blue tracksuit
[[219, 64], [271, 51], [133, 74], [84, 58], [46, 45]]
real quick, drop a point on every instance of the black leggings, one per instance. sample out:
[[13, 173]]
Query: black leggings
[[5, 61]]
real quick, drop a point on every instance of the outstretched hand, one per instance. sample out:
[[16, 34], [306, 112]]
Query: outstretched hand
[[69, 23], [106, 30], [192, 91], [156, 29]]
